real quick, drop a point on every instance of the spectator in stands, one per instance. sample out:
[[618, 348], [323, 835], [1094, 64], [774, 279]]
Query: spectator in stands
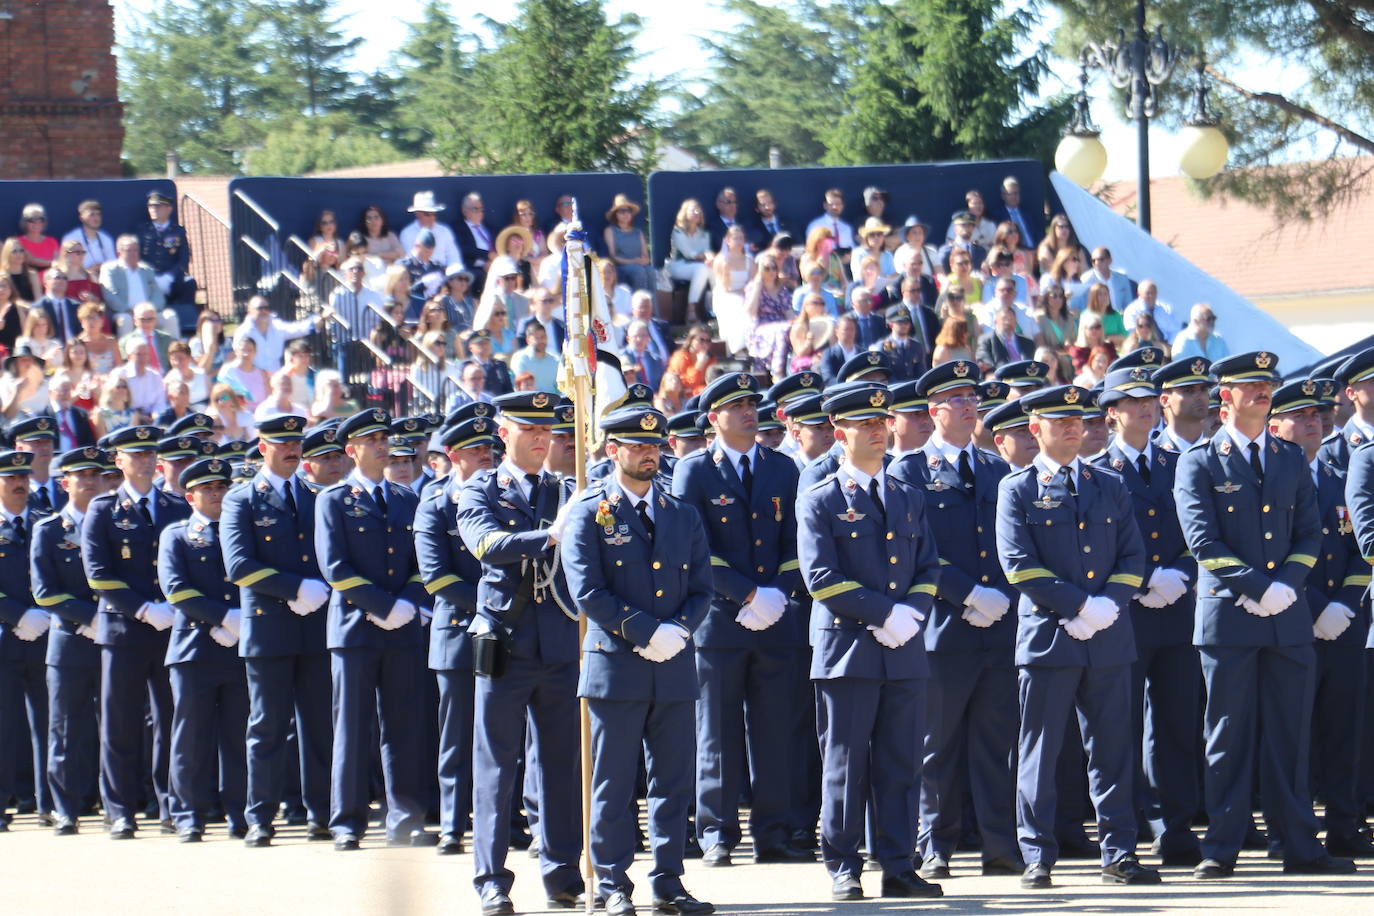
[[496, 373], [329, 401], [983, 229], [952, 342], [97, 244], [660, 331], [909, 358], [184, 370], [670, 398], [527, 218], [515, 242], [297, 368], [542, 305], [72, 261], [1005, 344], [536, 359], [391, 337], [42, 248], [457, 300], [734, 270], [209, 347], [279, 402], [178, 402], [1059, 238], [1065, 271], [232, 422], [1004, 293], [11, 313], [1091, 335], [76, 366], [1200, 338], [913, 267], [1144, 333], [789, 270], [432, 330], [690, 255], [1147, 302], [814, 280], [494, 314], [474, 238], [833, 219], [242, 371], [146, 392], [426, 210], [1060, 365], [872, 326], [357, 306], [769, 310], [37, 335], [101, 347], [767, 224], [875, 205], [872, 237], [1098, 302], [625, 244], [1011, 210], [618, 297], [326, 245], [1095, 368], [692, 360], [811, 333], [999, 264], [24, 386], [146, 330], [845, 347], [727, 216], [1117, 283], [163, 246], [562, 212], [914, 233], [961, 238], [116, 409], [58, 306], [382, 243], [270, 334], [961, 273], [73, 423], [127, 281], [472, 382], [550, 273], [21, 273], [954, 304], [915, 293], [1055, 322], [1009, 237]]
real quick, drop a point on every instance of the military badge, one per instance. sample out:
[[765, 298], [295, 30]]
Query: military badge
[[777, 508], [1118, 463], [874, 359], [604, 518], [723, 500], [1228, 488], [1343, 523], [877, 398], [1071, 396], [1147, 355], [1046, 503], [1309, 388], [1262, 360], [648, 422], [1225, 446], [961, 369], [808, 380], [540, 399], [851, 516], [266, 522], [1198, 367]]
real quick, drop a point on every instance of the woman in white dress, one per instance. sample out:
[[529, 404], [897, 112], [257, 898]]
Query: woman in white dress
[[733, 270]]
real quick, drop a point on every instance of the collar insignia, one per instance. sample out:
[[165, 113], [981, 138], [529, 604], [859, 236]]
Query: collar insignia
[[1225, 446]]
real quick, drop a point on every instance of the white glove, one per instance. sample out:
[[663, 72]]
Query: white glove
[[769, 603], [1152, 599], [884, 638], [157, 614], [233, 622], [1099, 612], [648, 653], [560, 521], [1078, 628], [383, 623], [401, 613], [1332, 621], [668, 640], [977, 618], [33, 624], [426, 615], [224, 637], [1277, 598], [298, 608], [989, 602], [1170, 583], [903, 623], [1252, 607], [87, 631], [749, 619], [311, 594], [164, 283]]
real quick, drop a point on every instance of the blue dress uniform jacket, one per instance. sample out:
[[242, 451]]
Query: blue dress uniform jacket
[[22, 674], [1245, 536], [1060, 550], [268, 551], [1341, 573], [1336, 448], [191, 570], [1359, 500]]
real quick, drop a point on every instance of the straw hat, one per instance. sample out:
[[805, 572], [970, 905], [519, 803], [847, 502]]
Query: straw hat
[[621, 201], [504, 235]]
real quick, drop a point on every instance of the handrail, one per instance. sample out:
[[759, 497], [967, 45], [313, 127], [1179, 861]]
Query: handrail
[[257, 249], [276, 227], [203, 206]]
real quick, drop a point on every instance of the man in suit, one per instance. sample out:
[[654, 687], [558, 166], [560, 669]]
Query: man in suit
[[268, 533], [869, 561], [73, 424], [640, 353], [1248, 507], [1004, 345], [963, 227], [1118, 284], [163, 246], [60, 588], [645, 589], [660, 331], [845, 348], [119, 538], [1356, 374], [374, 637], [1029, 224], [971, 729], [1067, 540], [126, 282], [36, 436], [1165, 678], [767, 224], [208, 686], [1336, 589], [475, 240], [746, 497], [727, 215], [542, 305], [146, 329], [23, 642], [60, 309], [871, 325]]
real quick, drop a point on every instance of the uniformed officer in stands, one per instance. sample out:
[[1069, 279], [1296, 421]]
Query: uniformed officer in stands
[[1183, 388], [1335, 589], [870, 563], [1067, 540], [971, 714], [1248, 508], [268, 533], [525, 648], [746, 496], [60, 587], [23, 642], [1166, 676], [119, 538], [450, 576], [1356, 375], [639, 567], [163, 246], [366, 551], [208, 685], [1009, 426]]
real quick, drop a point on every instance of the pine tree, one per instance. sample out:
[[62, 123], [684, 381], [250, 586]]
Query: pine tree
[[309, 57]]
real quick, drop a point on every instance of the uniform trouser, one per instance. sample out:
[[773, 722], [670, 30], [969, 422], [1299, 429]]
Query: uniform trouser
[[73, 740], [455, 749], [1103, 702], [665, 732], [277, 687], [208, 726], [128, 675], [384, 686], [869, 756], [746, 699], [23, 691], [806, 772], [1364, 792], [1071, 785], [1165, 689], [970, 740], [1338, 706], [1259, 702], [549, 693]]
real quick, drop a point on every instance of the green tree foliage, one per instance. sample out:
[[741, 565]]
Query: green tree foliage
[[309, 57], [315, 145], [430, 95]]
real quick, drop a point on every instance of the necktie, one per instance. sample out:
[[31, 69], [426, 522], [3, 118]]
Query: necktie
[[1068, 480], [1255, 462], [876, 495], [214, 528], [965, 469], [44, 501], [152, 353], [379, 497], [746, 476], [19, 533], [1143, 467], [65, 428], [143, 510], [1012, 350], [288, 492], [643, 509], [534, 490]]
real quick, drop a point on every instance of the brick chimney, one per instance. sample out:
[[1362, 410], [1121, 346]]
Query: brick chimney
[[58, 98]]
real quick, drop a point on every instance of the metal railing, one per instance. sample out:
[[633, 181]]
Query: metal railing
[[209, 238]]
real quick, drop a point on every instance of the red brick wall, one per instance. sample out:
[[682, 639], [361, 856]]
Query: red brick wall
[[59, 103]]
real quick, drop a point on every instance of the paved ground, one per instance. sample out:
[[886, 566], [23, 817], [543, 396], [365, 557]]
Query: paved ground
[[155, 874]]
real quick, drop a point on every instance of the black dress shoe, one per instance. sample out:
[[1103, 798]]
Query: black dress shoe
[[717, 857], [618, 903], [46, 820], [1213, 870], [1128, 870], [682, 903], [803, 839], [238, 832], [316, 832], [845, 888], [1356, 846], [1003, 866], [1322, 865], [65, 826], [27, 806], [420, 838], [937, 866], [122, 829], [167, 827], [1036, 877], [192, 835], [497, 903], [450, 845], [346, 842], [783, 853], [1182, 858], [909, 884], [258, 837], [570, 899]]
